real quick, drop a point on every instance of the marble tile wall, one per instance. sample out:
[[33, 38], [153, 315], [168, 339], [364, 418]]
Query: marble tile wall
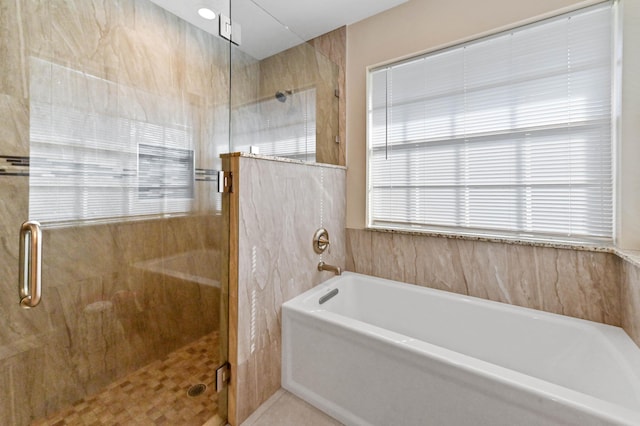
[[576, 283], [115, 295], [630, 299], [303, 67], [333, 45], [281, 204]]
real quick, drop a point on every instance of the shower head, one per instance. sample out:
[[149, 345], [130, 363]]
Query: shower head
[[282, 96]]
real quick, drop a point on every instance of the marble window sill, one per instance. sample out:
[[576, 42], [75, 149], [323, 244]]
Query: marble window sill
[[631, 256]]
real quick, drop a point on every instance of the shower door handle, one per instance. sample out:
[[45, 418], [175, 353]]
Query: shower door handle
[[30, 273]]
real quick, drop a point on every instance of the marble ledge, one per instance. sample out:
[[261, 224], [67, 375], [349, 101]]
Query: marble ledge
[[281, 160], [630, 256]]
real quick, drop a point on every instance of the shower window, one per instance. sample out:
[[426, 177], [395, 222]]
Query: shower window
[[508, 135]]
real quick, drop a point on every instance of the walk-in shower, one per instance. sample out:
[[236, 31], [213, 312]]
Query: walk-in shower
[[114, 118], [112, 133]]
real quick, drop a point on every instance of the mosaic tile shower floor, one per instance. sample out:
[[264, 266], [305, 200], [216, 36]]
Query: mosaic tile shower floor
[[153, 395]]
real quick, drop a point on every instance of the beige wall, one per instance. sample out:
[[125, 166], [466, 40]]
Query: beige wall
[[628, 226], [421, 25]]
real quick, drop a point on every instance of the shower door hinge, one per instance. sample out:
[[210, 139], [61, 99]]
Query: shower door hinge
[[225, 182], [230, 30], [223, 376]]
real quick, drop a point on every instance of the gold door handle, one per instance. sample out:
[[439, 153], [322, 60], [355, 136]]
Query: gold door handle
[[30, 274]]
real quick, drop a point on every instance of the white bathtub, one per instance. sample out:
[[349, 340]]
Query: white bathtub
[[387, 353]]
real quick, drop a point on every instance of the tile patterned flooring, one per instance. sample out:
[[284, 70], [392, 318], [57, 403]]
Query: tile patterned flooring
[[286, 409], [155, 394]]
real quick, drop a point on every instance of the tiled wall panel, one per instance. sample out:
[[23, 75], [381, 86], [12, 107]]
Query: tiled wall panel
[[281, 204], [576, 283], [630, 299]]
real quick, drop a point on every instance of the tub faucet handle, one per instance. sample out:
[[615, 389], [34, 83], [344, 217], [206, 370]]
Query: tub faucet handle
[[326, 267], [320, 240]]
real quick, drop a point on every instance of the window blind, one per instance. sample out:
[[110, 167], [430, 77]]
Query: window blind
[[506, 135]]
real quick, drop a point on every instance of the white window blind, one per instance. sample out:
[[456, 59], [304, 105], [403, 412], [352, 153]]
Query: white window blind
[[506, 135]]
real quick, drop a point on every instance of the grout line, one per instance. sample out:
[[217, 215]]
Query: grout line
[[262, 410]]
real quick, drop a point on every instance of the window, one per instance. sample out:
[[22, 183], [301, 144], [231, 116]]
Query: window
[[508, 135]]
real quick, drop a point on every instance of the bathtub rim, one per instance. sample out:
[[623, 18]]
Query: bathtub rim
[[301, 308]]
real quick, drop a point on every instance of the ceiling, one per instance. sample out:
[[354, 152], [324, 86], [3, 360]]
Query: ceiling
[[271, 26]]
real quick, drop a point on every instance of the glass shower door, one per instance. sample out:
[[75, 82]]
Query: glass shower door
[[114, 116]]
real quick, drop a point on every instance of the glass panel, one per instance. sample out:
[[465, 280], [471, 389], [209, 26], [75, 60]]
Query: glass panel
[[283, 94], [115, 115]]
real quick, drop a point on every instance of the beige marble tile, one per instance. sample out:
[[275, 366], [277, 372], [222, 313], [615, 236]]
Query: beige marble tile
[[17, 389], [577, 283], [133, 250], [13, 46], [6, 411], [285, 409], [40, 374], [439, 265], [37, 31], [14, 127], [89, 251], [333, 46], [630, 256], [80, 34], [630, 300], [358, 246], [298, 69], [160, 68], [428, 262], [206, 64], [281, 206], [386, 263], [14, 208], [581, 284]]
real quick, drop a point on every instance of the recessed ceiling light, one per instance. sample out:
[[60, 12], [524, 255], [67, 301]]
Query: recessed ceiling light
[[206, 13]]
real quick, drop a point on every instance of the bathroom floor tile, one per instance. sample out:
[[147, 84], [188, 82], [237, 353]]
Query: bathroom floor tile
[[153, 395], [286, 409]]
